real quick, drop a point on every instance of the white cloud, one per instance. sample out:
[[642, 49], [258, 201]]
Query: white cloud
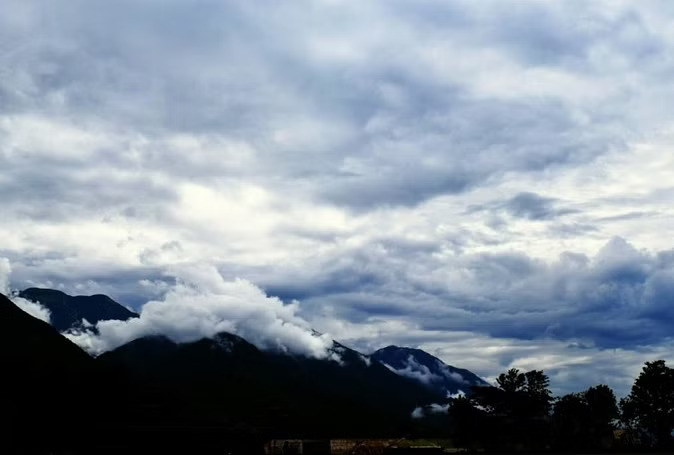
[[433, 408], [202, 304], [5, 270], [454, 375], [415, 370], [459, 394], [34, 309]]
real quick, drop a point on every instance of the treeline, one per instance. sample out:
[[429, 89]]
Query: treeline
[[520, 414]]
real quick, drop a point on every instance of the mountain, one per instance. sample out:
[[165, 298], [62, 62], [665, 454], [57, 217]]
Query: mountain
[[58, 399], [67, 312], [220, 394], [427, 370], [46, 382], [227, 383]]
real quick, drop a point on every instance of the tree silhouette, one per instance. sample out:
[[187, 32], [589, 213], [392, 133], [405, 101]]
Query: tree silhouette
[[511, 381], [469, 426], [585, 420], [512, 416], [569, 422], [602, 405], [516, 415], [537, 392], [650, 404]]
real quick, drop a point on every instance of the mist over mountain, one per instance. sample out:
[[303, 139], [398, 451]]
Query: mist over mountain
[[80, 317], [427, 370], [203, 303]]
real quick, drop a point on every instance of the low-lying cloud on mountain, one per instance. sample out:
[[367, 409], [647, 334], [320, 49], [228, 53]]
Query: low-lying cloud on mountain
[[34, 309], [420, 373], [202, 304]]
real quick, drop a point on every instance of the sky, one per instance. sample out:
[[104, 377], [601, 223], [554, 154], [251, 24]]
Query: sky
[[489, 181]]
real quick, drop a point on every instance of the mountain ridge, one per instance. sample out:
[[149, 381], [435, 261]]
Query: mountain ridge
[[70, 312], [218, 392], [278, 394]]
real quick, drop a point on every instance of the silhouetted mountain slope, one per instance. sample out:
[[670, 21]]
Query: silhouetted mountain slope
[[56, 399], [427, 369], [219, 394], [68, 311], [227, 382], [46, 382]]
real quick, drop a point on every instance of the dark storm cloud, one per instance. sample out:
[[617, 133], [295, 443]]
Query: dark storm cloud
[[619, 298]]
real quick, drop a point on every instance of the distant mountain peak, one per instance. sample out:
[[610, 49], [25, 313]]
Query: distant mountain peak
[[68, 312], [427, 369]]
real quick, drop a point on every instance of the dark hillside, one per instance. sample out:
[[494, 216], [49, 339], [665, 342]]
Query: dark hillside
[[227, 382], [46, 382]]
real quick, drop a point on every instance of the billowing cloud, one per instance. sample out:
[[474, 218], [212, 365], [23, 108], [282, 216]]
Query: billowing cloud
[[202, 304]]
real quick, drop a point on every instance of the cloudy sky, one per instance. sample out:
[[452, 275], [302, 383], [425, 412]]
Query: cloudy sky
[[490, 181]]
